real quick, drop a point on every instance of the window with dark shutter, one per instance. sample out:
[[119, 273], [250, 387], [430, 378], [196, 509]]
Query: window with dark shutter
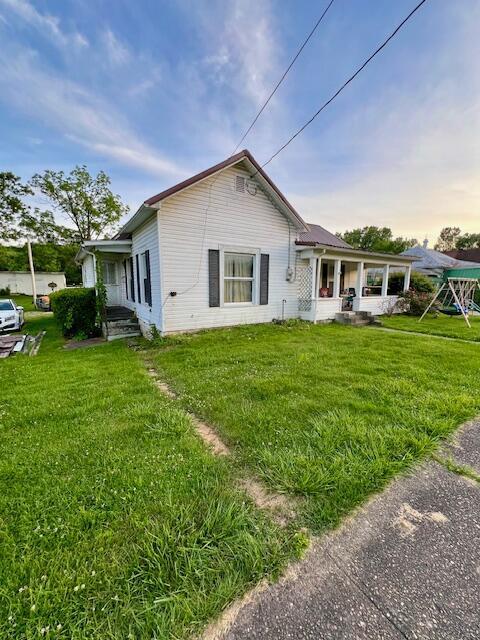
[[264, 268], [147, 281], [213, 278], [125, 273], [139, 280], [132, 280]]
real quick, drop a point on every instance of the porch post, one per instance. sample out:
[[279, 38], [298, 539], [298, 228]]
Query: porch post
[[319, 277], [337, 270], [406, 281], [386, 271], [359, 287], [313, 268]]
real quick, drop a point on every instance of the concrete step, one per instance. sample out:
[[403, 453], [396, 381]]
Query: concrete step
[[126, 322], [354, 318], [126, 331], [119, 336]]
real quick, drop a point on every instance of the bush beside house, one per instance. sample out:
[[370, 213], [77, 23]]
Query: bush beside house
[[75, 311]]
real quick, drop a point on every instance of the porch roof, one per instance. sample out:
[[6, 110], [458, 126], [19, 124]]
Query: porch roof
[[354, 255], [105, 246]]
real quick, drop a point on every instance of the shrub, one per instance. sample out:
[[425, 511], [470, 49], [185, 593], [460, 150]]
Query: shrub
[[75, 311], [415, 302], [418, 282], [5, 292]]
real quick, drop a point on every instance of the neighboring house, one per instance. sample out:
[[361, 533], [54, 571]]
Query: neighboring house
[[438, 265], [225, 247], [468, 255], [21, 281]]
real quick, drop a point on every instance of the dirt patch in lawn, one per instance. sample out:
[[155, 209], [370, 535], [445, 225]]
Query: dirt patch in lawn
[[280, 507]]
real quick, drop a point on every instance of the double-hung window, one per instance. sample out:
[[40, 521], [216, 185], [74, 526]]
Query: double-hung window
[[238, 278]]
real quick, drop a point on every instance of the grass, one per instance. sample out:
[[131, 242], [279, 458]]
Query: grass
[[460, 469], [441, 325], [329, 413], [24, 301], [115, 522]]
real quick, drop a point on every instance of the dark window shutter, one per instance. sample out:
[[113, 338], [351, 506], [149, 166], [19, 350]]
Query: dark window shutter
[[213, 278], [264, 267], [126, 277], [132, 280], [139, 284], [147, 283]]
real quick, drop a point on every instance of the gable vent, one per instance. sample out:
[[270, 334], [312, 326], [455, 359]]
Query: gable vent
[[239, 184]]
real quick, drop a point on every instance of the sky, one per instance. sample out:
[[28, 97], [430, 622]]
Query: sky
[[154, 91]]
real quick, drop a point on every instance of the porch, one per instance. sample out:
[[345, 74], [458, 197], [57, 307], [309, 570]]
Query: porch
[[114, 256], [338, 280]]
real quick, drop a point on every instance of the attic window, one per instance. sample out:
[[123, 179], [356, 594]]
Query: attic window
[[239, 184]]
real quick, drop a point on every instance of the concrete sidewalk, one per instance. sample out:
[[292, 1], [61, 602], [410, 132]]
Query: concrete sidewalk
[[405, 566]]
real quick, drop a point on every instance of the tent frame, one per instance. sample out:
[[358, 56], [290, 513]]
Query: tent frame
[[462, 297]]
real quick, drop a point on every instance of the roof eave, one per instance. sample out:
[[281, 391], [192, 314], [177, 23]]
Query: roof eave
[[359, 252]]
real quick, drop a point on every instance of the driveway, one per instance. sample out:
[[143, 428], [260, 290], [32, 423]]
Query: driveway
[[405, 566]]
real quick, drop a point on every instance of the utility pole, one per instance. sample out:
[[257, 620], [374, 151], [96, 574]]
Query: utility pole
[[32, 273]]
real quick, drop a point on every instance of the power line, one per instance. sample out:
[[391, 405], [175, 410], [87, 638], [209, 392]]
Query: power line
[[332, 98], [283, 77]]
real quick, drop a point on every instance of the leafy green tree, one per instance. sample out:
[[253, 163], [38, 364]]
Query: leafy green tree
[[447, 239], [12, 205], [379, 239], [468, 241], [85, 201]]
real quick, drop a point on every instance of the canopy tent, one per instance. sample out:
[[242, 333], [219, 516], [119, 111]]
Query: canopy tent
[[457, 297]]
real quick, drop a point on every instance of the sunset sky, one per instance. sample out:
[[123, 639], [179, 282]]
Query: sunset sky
[[153, 92]]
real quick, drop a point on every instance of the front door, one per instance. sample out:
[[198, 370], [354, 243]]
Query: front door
[[111, 280]]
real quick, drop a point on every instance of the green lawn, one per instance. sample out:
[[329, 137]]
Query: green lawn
[[441, 325], [115, 522], [24, 301], [328, 412]]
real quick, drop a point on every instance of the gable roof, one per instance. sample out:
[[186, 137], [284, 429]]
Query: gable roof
[[431, 259], [318, 235], [245, 156]]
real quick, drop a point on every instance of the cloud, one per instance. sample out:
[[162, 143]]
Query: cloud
[[67, 107], [241, 63], [408, 156], [45, 24], [117, 52]]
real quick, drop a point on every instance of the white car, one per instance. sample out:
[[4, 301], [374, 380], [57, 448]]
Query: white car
[[11, 316]]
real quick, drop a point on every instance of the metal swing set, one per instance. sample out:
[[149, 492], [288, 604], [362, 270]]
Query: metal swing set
[[457, 296]]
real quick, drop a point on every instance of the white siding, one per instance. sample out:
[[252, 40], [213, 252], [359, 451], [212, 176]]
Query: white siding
[[143, 238], [377, 305], [208, 216], [88, 271]]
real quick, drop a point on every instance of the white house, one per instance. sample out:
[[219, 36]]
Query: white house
[[225, 247]]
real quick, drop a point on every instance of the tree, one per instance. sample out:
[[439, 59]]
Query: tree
[[447, 239], [468, 241], [85, 201], [12, 206], [377, 239]]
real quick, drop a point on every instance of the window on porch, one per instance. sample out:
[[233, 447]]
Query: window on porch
[[325, 285], [372, 281], [396, 280]]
